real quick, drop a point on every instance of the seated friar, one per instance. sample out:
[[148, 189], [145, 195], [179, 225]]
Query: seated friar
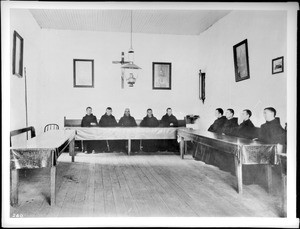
[[168, 120], [272, 132], [246, 129], [218, 124], [127, 120], [231, 123]]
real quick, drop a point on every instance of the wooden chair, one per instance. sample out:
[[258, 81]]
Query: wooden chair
[[51, 126], [23, 130]]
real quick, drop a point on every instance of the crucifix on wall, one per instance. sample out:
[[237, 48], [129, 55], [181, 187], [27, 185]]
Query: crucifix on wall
[[122, 61]]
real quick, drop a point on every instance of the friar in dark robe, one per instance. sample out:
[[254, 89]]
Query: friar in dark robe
[[108, 120], [169, 120], [272, 132], [219, 122], [89, 120], [246, 129], [213, 156], [128, 121], [231, 123], [149, 121]]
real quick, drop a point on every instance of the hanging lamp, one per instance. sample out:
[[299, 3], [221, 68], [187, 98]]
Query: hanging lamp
[[131, 69]]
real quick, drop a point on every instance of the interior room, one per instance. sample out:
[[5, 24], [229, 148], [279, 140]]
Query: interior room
[[68, 60]]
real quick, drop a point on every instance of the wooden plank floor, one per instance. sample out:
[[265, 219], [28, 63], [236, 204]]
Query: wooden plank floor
[[159, 184]]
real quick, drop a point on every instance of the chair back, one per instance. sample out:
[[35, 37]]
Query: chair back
[[23, 130], [51, 126]]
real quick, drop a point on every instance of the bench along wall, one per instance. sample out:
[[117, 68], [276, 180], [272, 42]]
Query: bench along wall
[[266, 35]]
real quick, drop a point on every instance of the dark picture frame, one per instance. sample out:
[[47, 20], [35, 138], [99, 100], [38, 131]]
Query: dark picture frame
[[202, 86], [17, 63], [278, 65], [161, 76], [241, 61], [83, 73]]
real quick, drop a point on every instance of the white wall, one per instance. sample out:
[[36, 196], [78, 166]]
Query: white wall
[[266, 35], [58, 98], [23, 22], [49, 54]]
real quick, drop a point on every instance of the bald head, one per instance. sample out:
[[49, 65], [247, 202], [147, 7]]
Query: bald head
[[127, 112]]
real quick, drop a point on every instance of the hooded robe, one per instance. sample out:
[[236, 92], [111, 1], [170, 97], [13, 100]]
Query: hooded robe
[[246, 130], [128, 121], [217, 125], [86, 121], [108, 121], [169, 144], [150, 145], [229, 126], [271, 132]]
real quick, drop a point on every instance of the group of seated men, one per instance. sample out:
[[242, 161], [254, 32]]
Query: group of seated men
[[108, 120], [270, 132]]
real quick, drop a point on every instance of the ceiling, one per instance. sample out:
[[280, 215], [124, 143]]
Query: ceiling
[[179, 22]]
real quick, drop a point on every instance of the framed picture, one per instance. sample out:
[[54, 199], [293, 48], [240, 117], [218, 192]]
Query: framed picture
[[18, 44], [83, 73], [161, 73], [277, 65], [241, 61]]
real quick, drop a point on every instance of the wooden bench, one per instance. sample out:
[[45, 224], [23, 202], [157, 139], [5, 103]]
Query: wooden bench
[[77, 122]]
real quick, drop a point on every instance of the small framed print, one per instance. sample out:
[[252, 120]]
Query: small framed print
[[17, 68], [241, 61], [161, 73], [277, 65], [83, 73]]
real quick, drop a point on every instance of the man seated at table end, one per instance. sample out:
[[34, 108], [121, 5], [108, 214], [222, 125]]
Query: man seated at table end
[[272, 132], [89, 120], [169, 120]]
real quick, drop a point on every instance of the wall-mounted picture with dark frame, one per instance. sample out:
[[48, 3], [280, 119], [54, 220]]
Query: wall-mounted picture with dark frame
[[241, 61], [161, 75], [18, 45], [277, 65], [83, 73]]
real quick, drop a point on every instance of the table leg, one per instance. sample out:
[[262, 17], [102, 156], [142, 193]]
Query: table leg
[[129, 146], [52, 185], [182, 147], [238, 172], [283, 202], [14, 186], [82, 149], [269, 178], [72, 150]]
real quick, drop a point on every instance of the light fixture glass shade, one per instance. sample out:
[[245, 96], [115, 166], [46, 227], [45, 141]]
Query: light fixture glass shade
[[130, 65], [131, 73]]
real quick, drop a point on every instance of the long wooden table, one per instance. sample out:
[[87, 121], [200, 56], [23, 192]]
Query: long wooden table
[[124, 133], [39, 152], [245, 151]]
